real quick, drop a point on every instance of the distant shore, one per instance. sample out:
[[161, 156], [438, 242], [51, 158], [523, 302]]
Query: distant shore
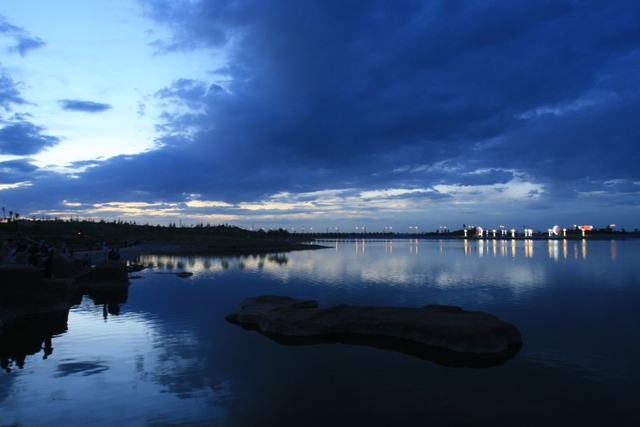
[[76, 239], [133, 252], [452, 236], [244, 247]]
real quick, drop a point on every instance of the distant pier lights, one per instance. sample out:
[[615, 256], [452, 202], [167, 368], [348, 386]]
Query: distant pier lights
[[555, 231], [585, 228], [496, 233]]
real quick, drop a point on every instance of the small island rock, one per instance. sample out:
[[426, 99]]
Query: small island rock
[[439, 326]]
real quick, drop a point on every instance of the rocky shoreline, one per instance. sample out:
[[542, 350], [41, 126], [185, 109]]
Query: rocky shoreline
[[27, 290]]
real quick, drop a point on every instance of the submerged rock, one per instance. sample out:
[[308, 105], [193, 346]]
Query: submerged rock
[[419, 331]]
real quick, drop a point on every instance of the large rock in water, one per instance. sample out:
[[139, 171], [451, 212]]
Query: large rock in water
[[420, 331]]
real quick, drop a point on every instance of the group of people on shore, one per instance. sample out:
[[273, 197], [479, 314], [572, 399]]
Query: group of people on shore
[[110, 254], [24, 253]]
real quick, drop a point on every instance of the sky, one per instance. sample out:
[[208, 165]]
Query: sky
[[322, 115]]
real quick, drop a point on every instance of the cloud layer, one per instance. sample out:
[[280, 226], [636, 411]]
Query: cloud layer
[[367, 111], [84, 106]]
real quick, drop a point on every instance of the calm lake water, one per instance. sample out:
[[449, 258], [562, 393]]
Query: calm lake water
[[167, 357]]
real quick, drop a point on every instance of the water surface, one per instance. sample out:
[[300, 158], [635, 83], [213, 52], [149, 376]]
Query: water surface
[[166, 356]]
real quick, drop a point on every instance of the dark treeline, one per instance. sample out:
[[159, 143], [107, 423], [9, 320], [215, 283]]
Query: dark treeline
[[84, 234]]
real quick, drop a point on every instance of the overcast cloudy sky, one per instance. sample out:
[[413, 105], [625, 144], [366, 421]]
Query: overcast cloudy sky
[[289, 113]]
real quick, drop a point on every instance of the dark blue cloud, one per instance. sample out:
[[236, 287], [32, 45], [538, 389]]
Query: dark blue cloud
[[23, 42], [84, 106], [187, 92], [24, 139], [26, 44], [18, 170], [180, 18], [9, 93], [371, 95], [413, 95], [18, 165], [361, 89]]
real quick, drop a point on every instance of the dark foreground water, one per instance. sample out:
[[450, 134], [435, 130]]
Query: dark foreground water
[[167, 357]]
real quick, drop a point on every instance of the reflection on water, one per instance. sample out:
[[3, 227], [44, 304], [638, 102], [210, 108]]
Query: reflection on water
[[132, 370], [30, 336], [579, 249], [162, 354], [109, 299], [556, 248], [440, 356], [211, 264]]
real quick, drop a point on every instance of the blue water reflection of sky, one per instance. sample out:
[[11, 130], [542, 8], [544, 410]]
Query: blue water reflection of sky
[[169, 357], [127, 368]]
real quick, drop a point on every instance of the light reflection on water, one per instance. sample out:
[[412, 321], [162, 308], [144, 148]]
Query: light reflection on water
[[168, 356]]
